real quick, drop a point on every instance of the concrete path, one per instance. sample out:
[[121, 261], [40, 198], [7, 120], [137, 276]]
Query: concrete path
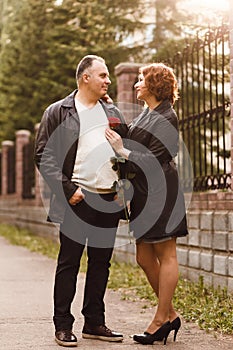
[[26, 291]]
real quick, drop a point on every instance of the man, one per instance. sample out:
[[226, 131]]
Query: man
[[73, 156]]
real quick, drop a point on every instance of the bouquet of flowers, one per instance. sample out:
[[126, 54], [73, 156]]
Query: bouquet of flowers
[[122, 184]]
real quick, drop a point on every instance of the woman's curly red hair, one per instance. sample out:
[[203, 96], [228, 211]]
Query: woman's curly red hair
[[160, 81]]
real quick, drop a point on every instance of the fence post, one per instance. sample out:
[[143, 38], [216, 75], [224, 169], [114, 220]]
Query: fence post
[[0, 172], [22, 138], [38, 180], [231, 84], [126, 74], [6, 147]]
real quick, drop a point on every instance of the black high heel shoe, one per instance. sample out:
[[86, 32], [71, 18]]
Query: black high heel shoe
[[148, 338], [175, 325]]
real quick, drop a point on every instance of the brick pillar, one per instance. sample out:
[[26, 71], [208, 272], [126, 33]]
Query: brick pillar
[[126, 74], [6, 145], [231, 82], [22, 138], [38, 179]]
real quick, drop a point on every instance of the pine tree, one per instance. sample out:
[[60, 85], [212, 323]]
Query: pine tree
[[22, 59], [43, 45]]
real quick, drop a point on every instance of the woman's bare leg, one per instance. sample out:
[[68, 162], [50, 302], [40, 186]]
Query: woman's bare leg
[[160, 265], [148, 261]]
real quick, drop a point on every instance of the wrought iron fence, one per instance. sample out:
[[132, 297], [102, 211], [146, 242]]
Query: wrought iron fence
[[203, 72]]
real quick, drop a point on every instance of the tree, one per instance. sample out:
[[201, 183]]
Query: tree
[[22, 59], [44, 43], [175, 22], [94, 28], [167, 22]]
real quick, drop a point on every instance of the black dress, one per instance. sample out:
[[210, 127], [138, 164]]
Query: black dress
[[157, 209]]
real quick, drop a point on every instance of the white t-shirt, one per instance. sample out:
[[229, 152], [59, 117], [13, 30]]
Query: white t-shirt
[[93, 168]]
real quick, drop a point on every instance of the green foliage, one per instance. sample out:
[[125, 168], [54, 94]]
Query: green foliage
[[42, 44], [168, 19], [38, 244], [22, 60], [211, 309], [23, 237]]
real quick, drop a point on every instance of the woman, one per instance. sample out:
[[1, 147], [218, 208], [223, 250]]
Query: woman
[[157, 208]]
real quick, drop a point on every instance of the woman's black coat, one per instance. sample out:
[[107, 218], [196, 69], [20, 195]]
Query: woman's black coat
[[157, 206]]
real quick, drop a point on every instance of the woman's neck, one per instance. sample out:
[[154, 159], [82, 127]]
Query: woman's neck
[[152, 103]]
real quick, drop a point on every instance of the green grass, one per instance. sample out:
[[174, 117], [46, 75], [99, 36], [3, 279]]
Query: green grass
[[211, 309], [22, 237]]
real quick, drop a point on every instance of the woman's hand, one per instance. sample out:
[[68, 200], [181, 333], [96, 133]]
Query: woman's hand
[[115, 140], [106, 98]]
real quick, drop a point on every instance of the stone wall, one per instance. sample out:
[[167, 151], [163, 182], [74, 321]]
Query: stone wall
[[231, 78], [207, 251]]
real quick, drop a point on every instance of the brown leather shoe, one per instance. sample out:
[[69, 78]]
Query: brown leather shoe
[[66, 338], [101, 332]]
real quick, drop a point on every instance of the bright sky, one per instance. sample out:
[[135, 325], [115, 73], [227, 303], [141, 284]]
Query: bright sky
[[198, 5]]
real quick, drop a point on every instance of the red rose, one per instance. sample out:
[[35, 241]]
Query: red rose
[[113, 122]]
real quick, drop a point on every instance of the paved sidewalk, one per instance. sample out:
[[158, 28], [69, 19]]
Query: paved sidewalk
[[26, 289]]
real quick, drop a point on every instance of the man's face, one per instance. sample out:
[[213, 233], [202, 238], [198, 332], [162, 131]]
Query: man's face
[[98, 79]]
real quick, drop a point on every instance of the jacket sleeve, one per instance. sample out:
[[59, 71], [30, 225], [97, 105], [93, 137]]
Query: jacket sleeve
[[47, 160], [161, 147]]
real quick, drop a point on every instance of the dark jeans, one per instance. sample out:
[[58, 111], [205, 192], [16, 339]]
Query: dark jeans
[[97, 228]]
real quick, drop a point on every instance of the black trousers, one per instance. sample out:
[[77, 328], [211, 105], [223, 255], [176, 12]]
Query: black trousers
[[93, 222]]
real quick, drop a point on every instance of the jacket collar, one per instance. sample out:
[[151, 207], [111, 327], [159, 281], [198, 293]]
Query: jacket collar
[[68, 102], [148, 115], [162, 107]]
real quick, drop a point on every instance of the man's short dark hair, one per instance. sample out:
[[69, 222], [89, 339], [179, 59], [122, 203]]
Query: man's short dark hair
[[85, 63]]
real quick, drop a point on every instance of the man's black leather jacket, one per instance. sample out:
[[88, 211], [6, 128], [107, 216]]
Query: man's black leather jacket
[[55, 150]]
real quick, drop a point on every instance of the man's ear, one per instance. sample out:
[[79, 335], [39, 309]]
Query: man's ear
[[86, 77]]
